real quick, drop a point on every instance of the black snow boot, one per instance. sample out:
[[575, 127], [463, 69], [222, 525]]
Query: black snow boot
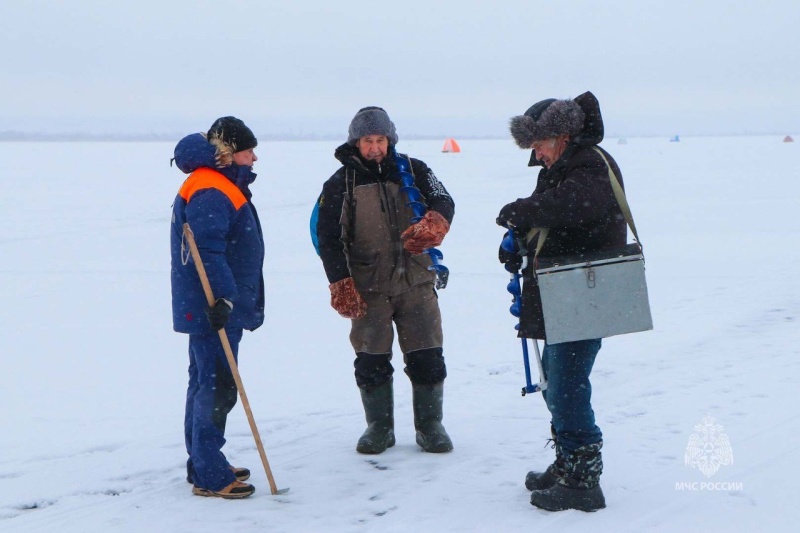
[[544, 480], [554, 472], [580, 487], [431, 435], [379, 410]]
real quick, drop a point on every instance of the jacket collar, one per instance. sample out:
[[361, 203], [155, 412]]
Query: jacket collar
[[350, 157]]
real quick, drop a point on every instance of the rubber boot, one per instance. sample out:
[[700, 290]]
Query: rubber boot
[[580, 487], [554, 472], [379, 410], [431, 435]]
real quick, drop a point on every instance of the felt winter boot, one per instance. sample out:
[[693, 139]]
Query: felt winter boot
[[579, 488], [554, 472], [431, 435], [379, 410]]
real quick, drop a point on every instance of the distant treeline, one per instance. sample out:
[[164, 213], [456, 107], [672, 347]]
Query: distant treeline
[[62, 137], [22, 136], [25, 136]]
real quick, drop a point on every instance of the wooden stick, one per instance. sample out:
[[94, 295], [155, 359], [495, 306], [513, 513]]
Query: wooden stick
[[226, 345]]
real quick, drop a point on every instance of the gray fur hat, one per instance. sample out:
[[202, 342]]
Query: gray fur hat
[[371, 121], [547, 119]]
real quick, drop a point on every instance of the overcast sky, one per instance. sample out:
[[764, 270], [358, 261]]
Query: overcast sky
[[450, 66]]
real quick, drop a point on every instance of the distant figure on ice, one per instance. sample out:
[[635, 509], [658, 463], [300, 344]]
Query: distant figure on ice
[[215, 201], [378, 273], [574, 199]]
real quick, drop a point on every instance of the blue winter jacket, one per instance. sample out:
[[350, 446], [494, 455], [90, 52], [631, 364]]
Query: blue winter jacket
[[216, 204]]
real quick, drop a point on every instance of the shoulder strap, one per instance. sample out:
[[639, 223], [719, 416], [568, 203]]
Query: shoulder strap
[[411, 167], [542, 233], [350, 190], [619, 194], [347, 185], [350, 184]]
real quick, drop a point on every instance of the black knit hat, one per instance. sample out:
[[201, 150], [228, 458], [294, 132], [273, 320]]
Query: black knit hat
[[547, 119], [371, 120], [233, 132]]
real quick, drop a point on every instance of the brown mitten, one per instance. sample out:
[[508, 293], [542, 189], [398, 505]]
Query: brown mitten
[[426, 233], [346, 300]]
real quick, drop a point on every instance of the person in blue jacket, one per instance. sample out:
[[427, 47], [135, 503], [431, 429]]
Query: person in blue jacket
[[215, 200]]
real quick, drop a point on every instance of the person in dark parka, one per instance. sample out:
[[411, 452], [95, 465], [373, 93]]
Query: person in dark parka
[[215, 202], [373, 255], [574, 199]]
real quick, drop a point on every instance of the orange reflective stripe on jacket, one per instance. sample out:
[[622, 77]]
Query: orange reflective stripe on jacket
[[206, 178]]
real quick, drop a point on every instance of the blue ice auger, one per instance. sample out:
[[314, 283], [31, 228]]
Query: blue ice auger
[[419, 207], [511, 245]]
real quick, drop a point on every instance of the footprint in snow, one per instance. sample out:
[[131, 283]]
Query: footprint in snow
[[377, 465]]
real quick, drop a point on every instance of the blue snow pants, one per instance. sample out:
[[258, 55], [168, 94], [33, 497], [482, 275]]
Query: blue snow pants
[[209, 398], [568, 396]]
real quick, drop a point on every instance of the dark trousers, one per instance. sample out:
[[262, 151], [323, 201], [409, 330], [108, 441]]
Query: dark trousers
[[567, 367], [209, 398]]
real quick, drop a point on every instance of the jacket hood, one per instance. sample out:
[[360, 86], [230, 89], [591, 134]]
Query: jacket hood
[[592, 132], [194, 151]]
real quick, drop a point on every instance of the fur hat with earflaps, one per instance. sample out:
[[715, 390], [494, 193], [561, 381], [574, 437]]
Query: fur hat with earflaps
[[545, 120], [230, 135], [371, 120]]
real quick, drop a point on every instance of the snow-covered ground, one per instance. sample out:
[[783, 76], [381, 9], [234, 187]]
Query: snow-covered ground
[[93, 378]]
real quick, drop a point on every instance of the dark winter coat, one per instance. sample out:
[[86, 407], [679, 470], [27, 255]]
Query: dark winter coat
[[216, 204], [574, 199], [359, 233]]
